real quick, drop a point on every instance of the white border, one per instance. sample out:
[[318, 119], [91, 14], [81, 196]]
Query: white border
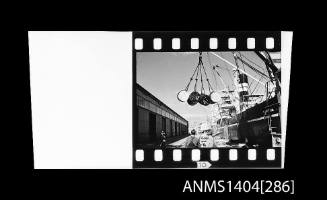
[[81, 96], [286, 49]]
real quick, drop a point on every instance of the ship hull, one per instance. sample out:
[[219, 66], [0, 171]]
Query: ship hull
[[252, 125]]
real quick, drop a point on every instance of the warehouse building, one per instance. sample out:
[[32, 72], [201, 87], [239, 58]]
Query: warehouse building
[[153, 116]]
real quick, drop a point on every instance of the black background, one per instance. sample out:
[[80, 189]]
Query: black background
[[301, 157]]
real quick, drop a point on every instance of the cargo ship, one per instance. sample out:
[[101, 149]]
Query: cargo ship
[[247, 118]]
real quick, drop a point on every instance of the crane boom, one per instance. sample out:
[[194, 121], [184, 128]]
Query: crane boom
[[272, 69], [235, 67], [250, 66]]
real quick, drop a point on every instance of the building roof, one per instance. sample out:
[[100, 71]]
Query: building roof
[[139, 87]]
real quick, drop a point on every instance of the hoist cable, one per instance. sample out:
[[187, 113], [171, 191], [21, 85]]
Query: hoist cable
[[200, 66], [196, 78], [191, 78], [209, 85], [202, 88]]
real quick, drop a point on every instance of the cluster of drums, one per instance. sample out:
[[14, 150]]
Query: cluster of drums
[[195, 97]]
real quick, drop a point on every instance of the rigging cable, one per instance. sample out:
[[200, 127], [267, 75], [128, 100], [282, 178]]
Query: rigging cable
[[239, 53], [196, 78], [235, 58], [212, 71], [254, 63], [240, 56], [261, 74], [202, 88], [191, 78], [209, 85], [251, 67], [221, 79], [228, 71], [255, 86]]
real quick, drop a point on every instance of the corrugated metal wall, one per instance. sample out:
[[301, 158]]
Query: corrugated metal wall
[[143, 133], [143, 125], [163, 117]]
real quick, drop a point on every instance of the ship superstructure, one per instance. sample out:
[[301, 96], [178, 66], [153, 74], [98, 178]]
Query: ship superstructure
[[245, 117]]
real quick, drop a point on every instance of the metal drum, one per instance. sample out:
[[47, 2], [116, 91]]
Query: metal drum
[[204, 99], [183, 95], [214, 96], [193, 98], [210, 100]]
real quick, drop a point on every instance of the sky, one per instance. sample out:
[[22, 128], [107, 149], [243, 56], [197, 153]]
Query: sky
[[164, 74]]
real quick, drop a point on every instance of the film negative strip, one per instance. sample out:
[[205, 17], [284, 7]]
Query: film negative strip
[[206, 41], [161, 133], [208, 158]]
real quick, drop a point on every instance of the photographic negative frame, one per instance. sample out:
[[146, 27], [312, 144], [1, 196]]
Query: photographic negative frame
[[208, 41]]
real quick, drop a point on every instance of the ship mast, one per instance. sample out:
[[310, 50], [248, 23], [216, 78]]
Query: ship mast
[[242, 86]]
